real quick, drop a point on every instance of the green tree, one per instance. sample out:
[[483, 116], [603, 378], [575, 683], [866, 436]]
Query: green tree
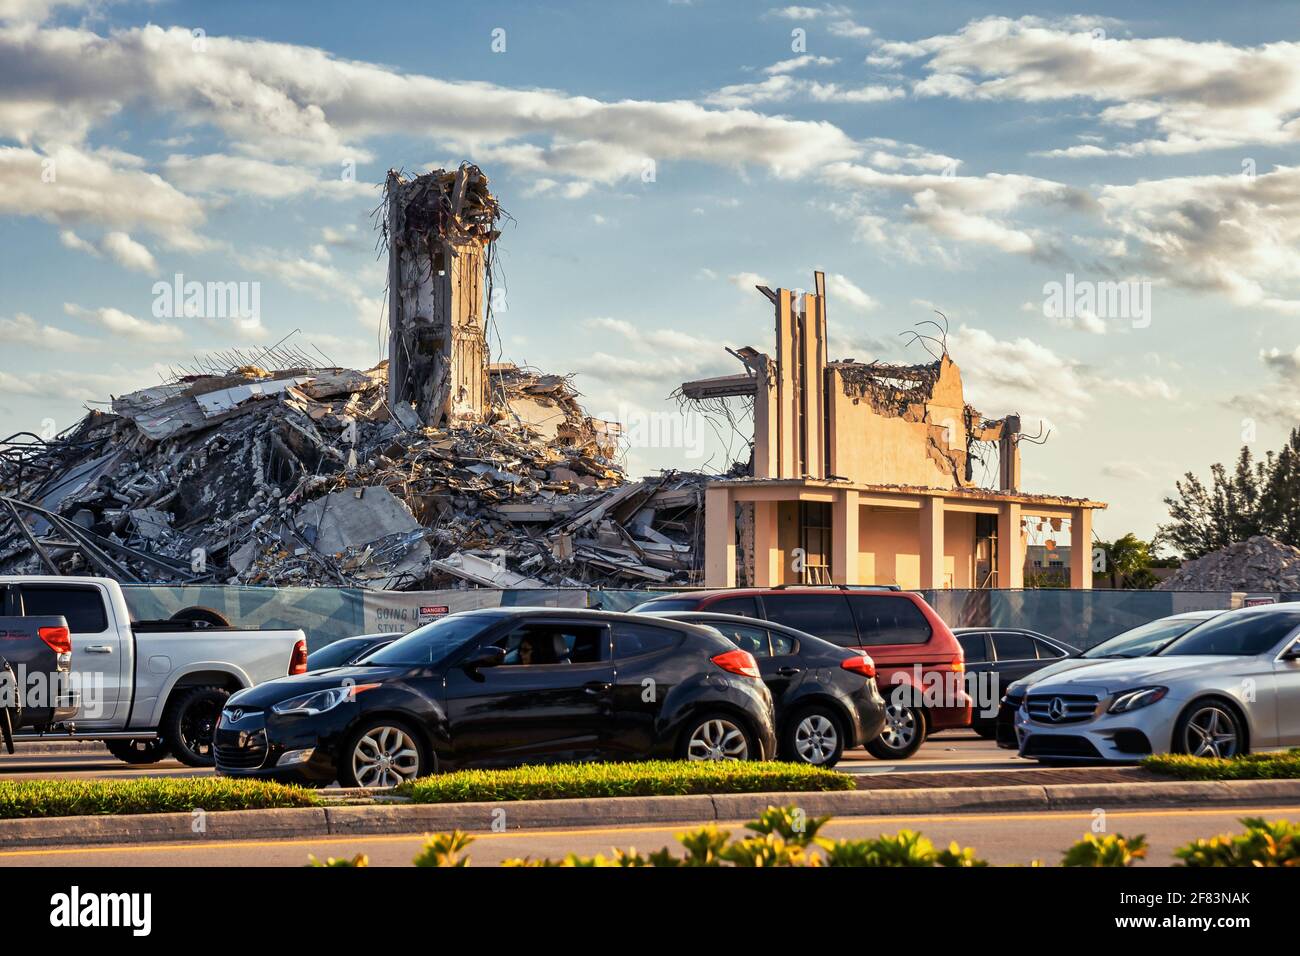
[[1257, 497], [1129, 560]]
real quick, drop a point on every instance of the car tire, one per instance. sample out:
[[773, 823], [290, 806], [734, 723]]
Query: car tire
[[714, 737], [361, 763], [905, 729], [206, 616], [1210, 727], [139, 752], [988, 729], [189, 722], [815, 736]]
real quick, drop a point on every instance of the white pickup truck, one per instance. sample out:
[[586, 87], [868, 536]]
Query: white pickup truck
[[149, 688]]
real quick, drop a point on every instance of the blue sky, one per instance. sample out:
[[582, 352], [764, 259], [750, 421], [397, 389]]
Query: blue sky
[[957, 156]]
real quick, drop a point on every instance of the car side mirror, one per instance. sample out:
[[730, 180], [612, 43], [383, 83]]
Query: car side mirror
[[1292, 653], [490, 656]]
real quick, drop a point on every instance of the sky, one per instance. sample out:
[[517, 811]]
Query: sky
[[1103, 202]]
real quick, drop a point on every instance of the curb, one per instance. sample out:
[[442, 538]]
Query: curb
[[544, 814]]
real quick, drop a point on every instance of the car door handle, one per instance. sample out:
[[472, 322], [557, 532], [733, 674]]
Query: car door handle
[[597, 687], [788, 671], [99, 649]]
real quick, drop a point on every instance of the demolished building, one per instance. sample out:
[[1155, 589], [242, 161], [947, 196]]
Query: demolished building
[[864, 473]]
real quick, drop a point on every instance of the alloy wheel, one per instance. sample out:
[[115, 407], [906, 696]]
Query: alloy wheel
[[717, 739], [197, 726], [1211, 732], [815, 739], [385, 757], [901, 726]]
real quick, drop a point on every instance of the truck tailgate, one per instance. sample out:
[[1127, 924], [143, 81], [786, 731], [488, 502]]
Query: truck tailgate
[[40, 670]]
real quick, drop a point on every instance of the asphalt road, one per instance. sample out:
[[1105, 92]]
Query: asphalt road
[[954, 750], [1001, 838]]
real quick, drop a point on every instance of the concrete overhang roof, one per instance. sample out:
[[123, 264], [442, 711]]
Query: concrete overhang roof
[[905, 491]]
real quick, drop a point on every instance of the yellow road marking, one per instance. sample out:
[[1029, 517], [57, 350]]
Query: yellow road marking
[[659, 828]]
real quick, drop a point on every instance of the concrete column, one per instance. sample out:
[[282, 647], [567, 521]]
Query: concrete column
[[1081, 547], [931, 533], [787, 389], [766, 419], [719, 538], [767, 553], [844, 537], [1011, 550]]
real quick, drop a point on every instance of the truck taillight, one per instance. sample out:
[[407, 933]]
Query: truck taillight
[[58, 639], [860, 664], [298, 661], [737, 662]]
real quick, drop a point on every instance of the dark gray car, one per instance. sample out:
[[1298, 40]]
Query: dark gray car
[[997, 656]]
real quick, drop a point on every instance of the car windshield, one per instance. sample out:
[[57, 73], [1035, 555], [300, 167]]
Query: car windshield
[[433, 643], [1237, 634], [1144, 640]]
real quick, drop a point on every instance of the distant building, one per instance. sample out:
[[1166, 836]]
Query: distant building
[[864, 473]]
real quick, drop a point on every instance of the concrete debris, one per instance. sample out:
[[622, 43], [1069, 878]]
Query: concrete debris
[[309, 476], [1256, 564]]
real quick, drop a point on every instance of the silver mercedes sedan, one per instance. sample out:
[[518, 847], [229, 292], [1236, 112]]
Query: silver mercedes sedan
[[1227, 687]]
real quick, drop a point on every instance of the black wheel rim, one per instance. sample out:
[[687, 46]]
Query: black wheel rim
[[197, 726]]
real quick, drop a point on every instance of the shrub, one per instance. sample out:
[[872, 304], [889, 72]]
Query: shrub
[[1264, 843], [1274, 766], [1110, 850], [359, 860], [637, 779], [782, 837], [444, 849], [69, 798]]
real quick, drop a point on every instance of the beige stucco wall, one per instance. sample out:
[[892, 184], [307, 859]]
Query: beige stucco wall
[[889, 550], [868, 447]]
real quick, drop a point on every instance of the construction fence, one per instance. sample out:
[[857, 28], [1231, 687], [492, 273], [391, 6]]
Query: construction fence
[[1079, 617]]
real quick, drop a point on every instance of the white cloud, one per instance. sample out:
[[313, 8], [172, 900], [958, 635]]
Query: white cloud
[[118, 246], [70, 187], [1235, 235], [783, 87], [843, 291], [1177, 95], [798, 63], [22, 329], [218, 173], [126, 325], [304, 105], [128, 253]]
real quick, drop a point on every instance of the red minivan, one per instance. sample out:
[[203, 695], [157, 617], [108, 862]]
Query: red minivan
[[919, 664]]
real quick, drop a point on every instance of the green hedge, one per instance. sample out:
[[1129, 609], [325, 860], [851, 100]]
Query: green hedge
[[639, 779], [71, 798], [1276, 766]]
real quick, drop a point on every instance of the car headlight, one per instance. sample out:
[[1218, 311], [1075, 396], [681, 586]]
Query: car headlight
[[319, 701], [1133, 699]]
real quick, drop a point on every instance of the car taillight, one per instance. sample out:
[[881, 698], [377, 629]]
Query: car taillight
[[737, 662], [58, 639], [860, 664], [958, 665], [298, 662]]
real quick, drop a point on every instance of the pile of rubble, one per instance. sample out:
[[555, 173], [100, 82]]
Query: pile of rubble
[[308, 476], [1256, 564]]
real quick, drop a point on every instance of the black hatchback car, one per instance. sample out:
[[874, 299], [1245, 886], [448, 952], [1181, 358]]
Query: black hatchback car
[[500, 687], [349, 650], [825, 696]]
